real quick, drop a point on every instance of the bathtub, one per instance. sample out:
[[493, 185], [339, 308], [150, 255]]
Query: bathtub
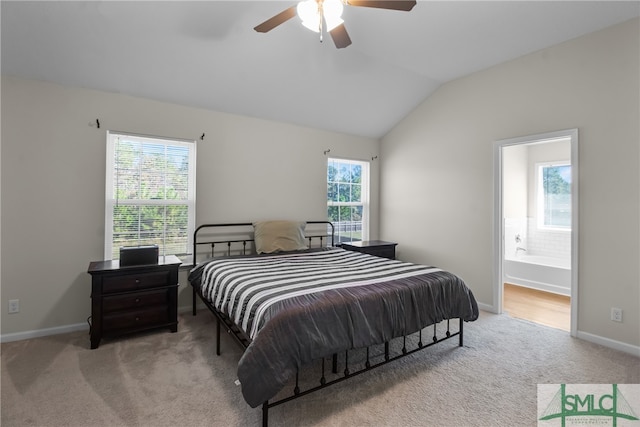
[[539, 272]]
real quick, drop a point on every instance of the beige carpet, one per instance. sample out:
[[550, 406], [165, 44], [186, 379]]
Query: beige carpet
[[165, 379]]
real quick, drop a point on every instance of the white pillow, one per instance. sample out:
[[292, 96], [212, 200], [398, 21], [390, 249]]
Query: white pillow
[[279, 236]]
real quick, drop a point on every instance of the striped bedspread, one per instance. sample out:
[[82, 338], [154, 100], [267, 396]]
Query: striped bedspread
[[302, 306], [246, 288]]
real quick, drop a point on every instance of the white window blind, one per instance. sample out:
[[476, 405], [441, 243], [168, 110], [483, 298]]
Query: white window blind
[[150, 193]]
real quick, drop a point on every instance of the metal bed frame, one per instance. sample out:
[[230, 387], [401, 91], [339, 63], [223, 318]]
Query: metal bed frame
[[244, 246]]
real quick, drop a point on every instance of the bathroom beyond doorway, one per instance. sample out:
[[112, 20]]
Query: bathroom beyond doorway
[[537, 306]]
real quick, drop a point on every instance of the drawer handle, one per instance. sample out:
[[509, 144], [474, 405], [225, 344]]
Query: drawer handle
[[137, 281], [137, 300], [137, 319]]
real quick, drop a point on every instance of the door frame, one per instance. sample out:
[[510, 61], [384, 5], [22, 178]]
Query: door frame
[[498, 224]]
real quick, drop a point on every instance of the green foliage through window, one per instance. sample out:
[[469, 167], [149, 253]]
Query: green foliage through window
[[149, 195], [345, 198], [556, 195]]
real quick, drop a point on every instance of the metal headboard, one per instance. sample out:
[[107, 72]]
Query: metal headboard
[[237, 238]]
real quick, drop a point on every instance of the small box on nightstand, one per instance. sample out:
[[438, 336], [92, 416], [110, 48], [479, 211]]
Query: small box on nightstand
[[138, 255]]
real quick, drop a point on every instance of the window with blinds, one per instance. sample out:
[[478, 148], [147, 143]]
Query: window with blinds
[[348, 198], [150, 193]]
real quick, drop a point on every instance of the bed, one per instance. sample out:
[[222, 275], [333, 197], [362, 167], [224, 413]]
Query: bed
[[290, 296]]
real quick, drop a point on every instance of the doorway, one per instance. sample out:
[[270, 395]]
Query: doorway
[[536, 223], [542, 307]]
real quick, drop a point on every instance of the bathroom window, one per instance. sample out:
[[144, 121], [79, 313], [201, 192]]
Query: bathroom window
[[554, 196]]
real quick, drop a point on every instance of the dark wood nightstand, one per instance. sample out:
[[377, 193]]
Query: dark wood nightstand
[[373, 247], [133, 299]]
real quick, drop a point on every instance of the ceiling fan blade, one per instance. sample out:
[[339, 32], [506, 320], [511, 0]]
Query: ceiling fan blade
[[340, 36], [380, 4], [274, 21]]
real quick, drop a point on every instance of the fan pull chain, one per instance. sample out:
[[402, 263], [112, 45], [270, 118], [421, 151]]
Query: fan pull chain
[[321, 14]]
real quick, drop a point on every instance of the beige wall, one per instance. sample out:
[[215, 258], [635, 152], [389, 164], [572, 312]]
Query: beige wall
[[53, 183], [437, 168]]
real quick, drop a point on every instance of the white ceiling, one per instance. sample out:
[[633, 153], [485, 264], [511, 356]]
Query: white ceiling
[[206, 54]]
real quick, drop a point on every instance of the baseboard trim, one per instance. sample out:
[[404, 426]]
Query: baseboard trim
[[487, 307], [596, 339], [38, 333], [607, 342]]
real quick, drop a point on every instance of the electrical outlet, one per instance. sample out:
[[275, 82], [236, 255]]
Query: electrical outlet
[[14, 306], [616, 314]]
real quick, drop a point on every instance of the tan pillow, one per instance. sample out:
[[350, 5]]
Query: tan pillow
[[278, 236]]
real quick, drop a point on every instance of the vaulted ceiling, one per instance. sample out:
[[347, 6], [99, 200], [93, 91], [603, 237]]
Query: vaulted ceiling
[[206, 54]]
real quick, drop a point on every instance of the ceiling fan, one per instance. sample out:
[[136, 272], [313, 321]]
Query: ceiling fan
[[320, 14]]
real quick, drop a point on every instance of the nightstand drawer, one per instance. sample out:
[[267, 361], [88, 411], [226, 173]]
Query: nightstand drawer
[[134, 281], [384, 252], [134, 319], [134, 300]]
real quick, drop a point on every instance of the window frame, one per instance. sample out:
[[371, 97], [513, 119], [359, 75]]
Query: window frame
[[540, 196], [365, 178], [111, 199]]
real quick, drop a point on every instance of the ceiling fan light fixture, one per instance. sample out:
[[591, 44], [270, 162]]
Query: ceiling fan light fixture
[[309, 12], [332, 13], [325, 15], [313, 26]]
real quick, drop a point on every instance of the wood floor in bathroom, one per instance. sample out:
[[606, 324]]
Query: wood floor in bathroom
[[537, 306]]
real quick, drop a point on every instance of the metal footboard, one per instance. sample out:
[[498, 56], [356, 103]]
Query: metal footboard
[[386, 356], [368, 366]]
